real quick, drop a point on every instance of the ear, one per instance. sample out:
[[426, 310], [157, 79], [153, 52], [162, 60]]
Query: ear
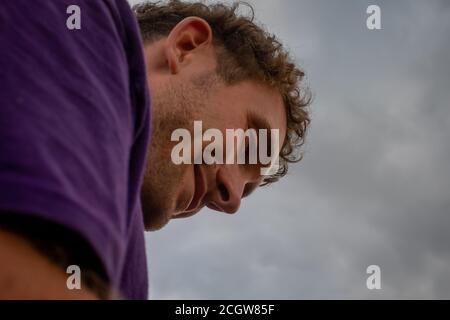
[[188, 37]]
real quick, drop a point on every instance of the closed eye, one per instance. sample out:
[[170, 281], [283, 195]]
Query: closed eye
[[249, 188]]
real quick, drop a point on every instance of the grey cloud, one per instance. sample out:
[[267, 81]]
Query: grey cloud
[[373, 187]]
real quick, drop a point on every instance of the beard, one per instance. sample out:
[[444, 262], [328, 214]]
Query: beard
[[173, 107]]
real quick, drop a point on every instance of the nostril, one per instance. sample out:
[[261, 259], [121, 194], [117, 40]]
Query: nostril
[[224, 194]]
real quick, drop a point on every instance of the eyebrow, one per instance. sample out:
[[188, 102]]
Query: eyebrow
[[249, 190], [258, 121], [261, 123]]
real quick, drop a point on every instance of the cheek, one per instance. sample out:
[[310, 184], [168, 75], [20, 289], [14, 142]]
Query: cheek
[[186, 188]]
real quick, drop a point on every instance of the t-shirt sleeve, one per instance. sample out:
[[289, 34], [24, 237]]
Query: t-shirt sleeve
[[67, 121]]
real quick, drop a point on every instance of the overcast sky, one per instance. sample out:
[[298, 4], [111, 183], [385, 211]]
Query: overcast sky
[[374, 185]]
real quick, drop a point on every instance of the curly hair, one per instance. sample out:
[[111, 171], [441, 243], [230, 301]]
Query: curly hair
[[245, 51]]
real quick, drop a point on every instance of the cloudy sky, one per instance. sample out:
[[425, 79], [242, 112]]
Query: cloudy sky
[[374, 185]]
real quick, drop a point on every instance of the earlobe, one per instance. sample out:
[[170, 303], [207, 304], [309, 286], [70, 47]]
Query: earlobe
[[189, 35]]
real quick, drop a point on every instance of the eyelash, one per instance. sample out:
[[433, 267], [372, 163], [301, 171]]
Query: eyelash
[[247, 146], [246, 192]]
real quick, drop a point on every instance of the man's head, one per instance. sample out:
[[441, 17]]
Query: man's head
[[210, 64]]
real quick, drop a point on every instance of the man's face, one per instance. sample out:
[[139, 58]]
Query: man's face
[[195, 93]]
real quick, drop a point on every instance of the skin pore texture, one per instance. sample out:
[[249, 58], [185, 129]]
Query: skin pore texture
[[184, 87]]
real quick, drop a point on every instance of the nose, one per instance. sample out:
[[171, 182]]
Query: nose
[[230, 184], [226, 197]]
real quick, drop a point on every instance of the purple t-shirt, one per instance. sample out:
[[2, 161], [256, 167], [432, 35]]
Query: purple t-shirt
[[74, 126]]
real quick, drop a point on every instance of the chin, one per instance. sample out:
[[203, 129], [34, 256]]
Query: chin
[[155, 224], [155, 219], [151, 228]]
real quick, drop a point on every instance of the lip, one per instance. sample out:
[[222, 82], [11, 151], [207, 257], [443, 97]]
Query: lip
[[200, 189]]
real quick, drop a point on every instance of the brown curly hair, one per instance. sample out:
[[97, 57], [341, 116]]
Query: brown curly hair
[[244, 51]]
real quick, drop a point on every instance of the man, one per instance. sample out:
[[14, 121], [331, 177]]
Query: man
[[79, 178]]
